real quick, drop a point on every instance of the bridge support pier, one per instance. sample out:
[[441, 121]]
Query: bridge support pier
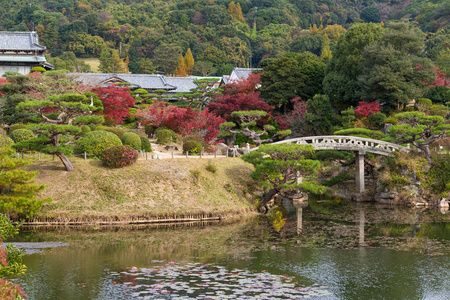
[[359, 168]]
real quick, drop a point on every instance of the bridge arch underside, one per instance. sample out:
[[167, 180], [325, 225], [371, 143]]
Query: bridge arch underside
[[360, 146]]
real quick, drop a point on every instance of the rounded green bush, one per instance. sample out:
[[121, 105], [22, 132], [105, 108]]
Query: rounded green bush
[[3, 131], [38, 69], [119, 156], [93, 127], [5, 142], [145, 144], [131, 139], [199, 139], [192, 146], [85, 129], [353, 131], [95, 142], [165, 136], [377, 119], [20, 135], [15, 127], [117, 131]]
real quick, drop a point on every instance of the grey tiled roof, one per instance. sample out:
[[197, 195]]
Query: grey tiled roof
[[182, 84], [145, 81], [17, 40], [241, 73]]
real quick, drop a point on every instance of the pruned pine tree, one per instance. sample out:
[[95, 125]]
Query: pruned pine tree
[[71, 110], [247, 126], [279, 169]]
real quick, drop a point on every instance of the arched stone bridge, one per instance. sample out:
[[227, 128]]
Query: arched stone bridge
[[349, 143]]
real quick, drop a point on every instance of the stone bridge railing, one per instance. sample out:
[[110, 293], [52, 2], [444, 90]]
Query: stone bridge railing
[[346, 143], [349, 143]]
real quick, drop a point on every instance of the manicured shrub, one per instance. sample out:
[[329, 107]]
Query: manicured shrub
[[192, 146], [3, 131], [20, 135], [95, 142], [354, 131], [93, 127], [391, 120], [5, 142], [425, 102], [377, 135], [119, 156], [145, 144], [328, 155], [15, 127], [361, 132], [199, 139], [165, 136], [131, 139], [117, 131], [85, 129], [377, 119], [38, 69]]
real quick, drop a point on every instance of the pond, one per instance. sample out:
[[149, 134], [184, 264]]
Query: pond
[[325, 250]]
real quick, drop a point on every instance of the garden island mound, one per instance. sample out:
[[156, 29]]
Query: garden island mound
[[148, 191]]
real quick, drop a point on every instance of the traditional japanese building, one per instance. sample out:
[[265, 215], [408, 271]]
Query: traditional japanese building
[[20, 52]]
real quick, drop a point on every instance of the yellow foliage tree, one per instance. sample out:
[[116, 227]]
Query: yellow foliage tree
[[236, 11], [326, 51], [313, 30], [189, 61], [180, 71]]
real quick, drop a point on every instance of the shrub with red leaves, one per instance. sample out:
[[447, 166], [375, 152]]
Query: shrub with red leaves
[[185, 121], [226, 104], [116, 102], [365, 109]]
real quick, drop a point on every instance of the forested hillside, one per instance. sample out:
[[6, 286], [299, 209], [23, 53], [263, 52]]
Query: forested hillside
[[150, 35]]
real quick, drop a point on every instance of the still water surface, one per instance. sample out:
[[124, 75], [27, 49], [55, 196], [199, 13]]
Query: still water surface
[[342, 251]]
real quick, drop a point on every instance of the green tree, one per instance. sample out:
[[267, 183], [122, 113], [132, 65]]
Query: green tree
[[11, 262], [281, 167], [146, 66], [419, 130], [292, 75], [71, 110], [393, 71], [371, 15], [110, 62], [319, 118], [342, 72], [247, 126], [17, 189], [201, 95]]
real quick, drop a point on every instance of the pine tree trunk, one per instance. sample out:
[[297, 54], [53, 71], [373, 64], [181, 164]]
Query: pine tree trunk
[[67, 163], [267, 197]]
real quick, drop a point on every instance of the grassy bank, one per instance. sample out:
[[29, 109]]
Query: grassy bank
[[149, 190]]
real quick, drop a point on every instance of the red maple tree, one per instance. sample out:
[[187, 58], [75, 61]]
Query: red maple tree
[[243, 86], [116, 102], [185, 121], [367, 108], [297, 113], [441, 79], [226, 104]]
